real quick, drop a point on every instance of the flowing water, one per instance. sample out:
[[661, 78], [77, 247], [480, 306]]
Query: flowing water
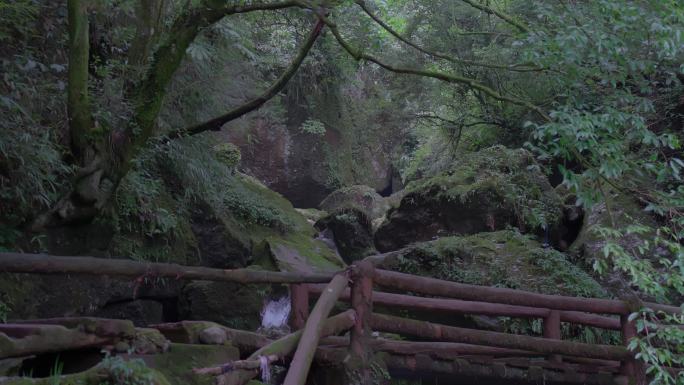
[[275, 313]]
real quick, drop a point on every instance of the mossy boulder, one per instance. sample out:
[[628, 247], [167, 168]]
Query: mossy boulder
[[352, 233], [486, 191], [300, 253], [359, 197], [502, 258], [177, 363], [617, 211]]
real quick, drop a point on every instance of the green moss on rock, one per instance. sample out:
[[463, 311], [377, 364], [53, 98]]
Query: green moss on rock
[[352, 231], [302, 253], [177, 364], [486, 191], [503, 259], [357, 197]]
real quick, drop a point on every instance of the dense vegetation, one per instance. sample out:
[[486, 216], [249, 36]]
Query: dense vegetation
[[118, 115]]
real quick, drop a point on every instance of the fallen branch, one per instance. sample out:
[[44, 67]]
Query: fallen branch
[[313, 330], [236, 365]]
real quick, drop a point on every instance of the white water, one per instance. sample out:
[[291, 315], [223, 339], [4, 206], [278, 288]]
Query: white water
[[275, 313]]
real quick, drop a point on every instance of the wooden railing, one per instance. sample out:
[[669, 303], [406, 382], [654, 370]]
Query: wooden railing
[[478, 300], [486, 350]]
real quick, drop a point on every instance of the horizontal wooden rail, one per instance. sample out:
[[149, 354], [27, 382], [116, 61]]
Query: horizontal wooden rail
[[391, 324], [433, 286], [479, 308], [444, 350], [48, 264], [423, 366]]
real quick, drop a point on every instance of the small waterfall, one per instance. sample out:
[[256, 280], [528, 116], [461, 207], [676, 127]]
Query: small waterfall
[[276, 313]]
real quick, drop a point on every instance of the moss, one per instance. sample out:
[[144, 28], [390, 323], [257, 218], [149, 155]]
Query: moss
[[312, 215], [357, 197], [111, 371], [178, 362], [507, 177], [228, 154], [505, 259], [300, 252]]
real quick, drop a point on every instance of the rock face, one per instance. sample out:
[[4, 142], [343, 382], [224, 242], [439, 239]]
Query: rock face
[[352, 233], [229, 304], [486, 191], [140, 312], [30, 296], [353, 144]]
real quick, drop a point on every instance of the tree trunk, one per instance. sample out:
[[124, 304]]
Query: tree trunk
[[78, 106], [101, 173]]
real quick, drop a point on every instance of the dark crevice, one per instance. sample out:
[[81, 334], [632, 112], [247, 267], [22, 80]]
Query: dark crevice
[[67, 362]]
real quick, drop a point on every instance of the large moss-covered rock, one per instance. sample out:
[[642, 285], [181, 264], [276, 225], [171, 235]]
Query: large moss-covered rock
[[177, 364], [352, 233], [359, 197], [300, 253], [486, 191], [502, 258]]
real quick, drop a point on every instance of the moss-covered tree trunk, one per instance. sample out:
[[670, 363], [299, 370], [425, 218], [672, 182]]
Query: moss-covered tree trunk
[[78, 106], [104, 158]]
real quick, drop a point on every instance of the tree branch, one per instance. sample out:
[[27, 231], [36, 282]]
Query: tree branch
[[167, 58], [449, 78], [216, 123], [388, 28], [500, 15]]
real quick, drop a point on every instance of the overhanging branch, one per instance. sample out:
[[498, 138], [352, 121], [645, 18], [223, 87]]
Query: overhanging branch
[[508, 19], [253, 104], [449, 78], [388, 28]]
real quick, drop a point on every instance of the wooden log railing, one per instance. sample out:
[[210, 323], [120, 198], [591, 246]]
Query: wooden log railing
[[452, 343], [478, 300]]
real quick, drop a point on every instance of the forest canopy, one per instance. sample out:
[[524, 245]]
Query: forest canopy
[[95, 92]]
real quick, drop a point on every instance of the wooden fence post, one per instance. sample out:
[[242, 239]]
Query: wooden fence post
[[362, 303], [299, 308], [552, 330], [629, 366]]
